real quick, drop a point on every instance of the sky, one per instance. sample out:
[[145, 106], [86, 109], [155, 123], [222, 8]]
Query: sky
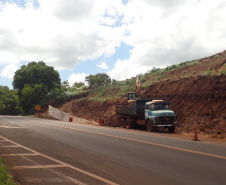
[[122, 38]]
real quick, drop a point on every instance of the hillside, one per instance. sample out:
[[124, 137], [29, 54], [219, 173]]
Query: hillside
[[196, 89]]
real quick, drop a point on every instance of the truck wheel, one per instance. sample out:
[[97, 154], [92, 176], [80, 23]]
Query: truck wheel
[[171, 129], [122, 123], [149, 126], [128, 124]]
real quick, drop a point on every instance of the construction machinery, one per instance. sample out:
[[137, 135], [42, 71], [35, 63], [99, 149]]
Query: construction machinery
[[151, 113]]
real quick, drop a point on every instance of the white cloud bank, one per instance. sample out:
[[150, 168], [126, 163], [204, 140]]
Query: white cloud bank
[[103, 65], [63, 33], [9, 71], [79, 77]]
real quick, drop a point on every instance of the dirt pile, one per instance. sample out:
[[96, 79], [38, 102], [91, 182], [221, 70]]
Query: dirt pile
[[197, 101], [197, 93]]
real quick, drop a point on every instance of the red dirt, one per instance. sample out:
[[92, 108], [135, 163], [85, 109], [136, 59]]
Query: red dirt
[[198, 101]]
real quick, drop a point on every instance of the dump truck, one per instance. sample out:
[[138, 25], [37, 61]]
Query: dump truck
[[151, 113], [147, 112]]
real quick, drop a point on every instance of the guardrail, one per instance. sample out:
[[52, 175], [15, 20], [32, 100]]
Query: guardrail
[[63, 116]]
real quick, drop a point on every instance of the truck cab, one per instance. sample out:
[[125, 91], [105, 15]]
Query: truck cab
[[158, 113]]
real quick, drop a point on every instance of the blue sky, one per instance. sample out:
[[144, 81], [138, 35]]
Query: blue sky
[[122, 38]]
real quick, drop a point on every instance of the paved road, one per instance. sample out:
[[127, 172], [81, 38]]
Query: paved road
[[52, 152]]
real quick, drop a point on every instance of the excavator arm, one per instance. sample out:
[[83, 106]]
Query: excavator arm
[[138, 88]]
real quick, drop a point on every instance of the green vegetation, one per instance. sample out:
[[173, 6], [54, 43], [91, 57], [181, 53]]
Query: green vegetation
[[209, 72], [33, 83], [98, 80], [8, 101], [159, 77], [5, 178], [116, 89], [65, 91], [221, 73], [184, 72], [217, 56], [38, 83], [181, 65]]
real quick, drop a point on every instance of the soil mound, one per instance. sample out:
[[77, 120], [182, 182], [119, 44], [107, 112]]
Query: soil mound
[[196, 92]]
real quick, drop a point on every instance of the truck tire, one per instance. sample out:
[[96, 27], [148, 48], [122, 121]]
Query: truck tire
[[122, 123], [130, 124], [171, 129], [149, 126]]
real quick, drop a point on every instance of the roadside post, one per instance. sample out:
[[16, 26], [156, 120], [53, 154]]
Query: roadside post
[[101, 121]]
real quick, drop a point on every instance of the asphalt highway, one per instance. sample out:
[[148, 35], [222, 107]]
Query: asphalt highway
[[39, 151]]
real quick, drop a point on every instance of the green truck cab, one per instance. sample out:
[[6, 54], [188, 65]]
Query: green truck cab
[[147, 112], [158, 113]]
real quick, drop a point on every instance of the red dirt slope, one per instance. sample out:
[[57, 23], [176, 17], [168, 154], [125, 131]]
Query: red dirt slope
[[197, 93]]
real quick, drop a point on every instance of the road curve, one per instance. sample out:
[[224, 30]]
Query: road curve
[[52, 152]]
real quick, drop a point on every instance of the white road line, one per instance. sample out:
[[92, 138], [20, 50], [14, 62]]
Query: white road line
[[10, 146], [27, 154], [45, 180], [9, 127], [37, 166], [65, 164]]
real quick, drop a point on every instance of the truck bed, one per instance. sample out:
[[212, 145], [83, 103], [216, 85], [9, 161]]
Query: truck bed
[[134, 111], [126, 110]]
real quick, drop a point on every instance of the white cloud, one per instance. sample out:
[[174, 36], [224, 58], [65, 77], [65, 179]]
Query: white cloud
[[59, 33], [168, 32], [160, 32], [103, 65], [124, 69], [76, 77], [9, 71]]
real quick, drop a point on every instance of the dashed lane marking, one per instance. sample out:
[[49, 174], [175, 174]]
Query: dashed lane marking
[[27, 154], [2, 126], [54, 180], [10, 146], [61, 164], [45, 180], [140, 141], [37, 166]]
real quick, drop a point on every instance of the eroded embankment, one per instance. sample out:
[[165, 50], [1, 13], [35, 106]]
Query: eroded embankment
[[198, 101]]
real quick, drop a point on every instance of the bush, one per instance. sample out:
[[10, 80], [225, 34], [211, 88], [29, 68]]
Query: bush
[[221, 73], [209, 72], [5, 177]]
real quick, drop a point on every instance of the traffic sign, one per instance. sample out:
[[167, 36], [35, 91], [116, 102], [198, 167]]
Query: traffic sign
[[37, 107]]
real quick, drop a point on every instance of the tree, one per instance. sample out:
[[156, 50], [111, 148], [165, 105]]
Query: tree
[[78, 85], [8, 101], [98, 80], [65, 84], [36, 72], [34, 82]]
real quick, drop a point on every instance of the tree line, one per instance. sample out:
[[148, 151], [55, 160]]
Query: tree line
[[36, 82]]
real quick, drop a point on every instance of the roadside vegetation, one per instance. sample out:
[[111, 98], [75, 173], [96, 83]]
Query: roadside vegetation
[[8, 101], [37, 83], [5, 177]]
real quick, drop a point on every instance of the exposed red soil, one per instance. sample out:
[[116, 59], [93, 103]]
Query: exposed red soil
[[198, 101]]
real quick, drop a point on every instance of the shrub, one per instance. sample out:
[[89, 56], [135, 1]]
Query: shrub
[[217, 56], [221, 73]]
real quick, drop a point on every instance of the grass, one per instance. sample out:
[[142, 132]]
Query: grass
[[209, 72], [5, 177], [118, 89], [221, 73], [217, 56]]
